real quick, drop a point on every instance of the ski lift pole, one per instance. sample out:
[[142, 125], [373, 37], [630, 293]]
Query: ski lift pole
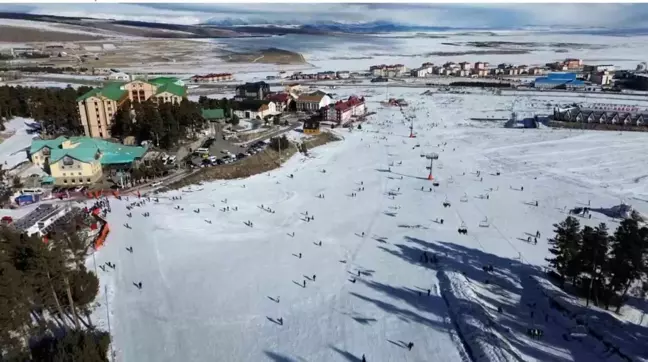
[[431, 156], [112, 351]]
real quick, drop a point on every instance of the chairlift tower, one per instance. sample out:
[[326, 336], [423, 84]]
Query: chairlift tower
[[430, 156]]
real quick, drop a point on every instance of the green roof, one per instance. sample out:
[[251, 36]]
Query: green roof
[[172, 88], [37, 145], [215, 113], [169, 84], [162, 80], [110, 90], [86, 149]]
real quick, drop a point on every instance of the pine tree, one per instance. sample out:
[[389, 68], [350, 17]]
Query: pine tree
[[594, 255], [627, 258], [565, 248]]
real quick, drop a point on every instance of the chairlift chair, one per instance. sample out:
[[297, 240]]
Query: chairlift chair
[[484, 223], [464, 198], [579, 331], [450, 180]]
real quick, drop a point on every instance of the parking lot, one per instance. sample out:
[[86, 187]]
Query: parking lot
[[217, 151]]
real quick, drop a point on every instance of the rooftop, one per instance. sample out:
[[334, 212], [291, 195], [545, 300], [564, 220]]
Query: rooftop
[[112, 91], [214, 113], [86, 149]]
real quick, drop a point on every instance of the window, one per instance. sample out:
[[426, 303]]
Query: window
[[64, 181], [100, 134], [88, 180], [67, 160], [79, 173], [73, 181]]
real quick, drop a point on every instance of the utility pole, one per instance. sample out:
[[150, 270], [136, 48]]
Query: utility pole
[[112, 352]]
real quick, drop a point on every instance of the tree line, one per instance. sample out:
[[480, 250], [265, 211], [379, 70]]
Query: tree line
[[603, 267], [55, 108], [165, 124], [46, 298]]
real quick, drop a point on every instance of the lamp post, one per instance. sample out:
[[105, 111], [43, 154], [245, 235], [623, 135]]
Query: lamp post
[[430, 156]]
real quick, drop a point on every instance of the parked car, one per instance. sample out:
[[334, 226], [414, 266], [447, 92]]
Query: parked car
[[240, 156]]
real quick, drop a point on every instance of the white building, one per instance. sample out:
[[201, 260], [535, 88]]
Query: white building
[[119, 76], [313, 102], [601, 78], [420, 72], [255, 109], [343, 74]]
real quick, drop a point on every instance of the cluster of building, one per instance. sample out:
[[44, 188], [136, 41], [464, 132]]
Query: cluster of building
[[326, 75], [212, 78], [257, 101], [98, 106], [477, 69], [603, 114]]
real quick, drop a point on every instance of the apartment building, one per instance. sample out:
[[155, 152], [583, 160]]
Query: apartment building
[[98, 106]]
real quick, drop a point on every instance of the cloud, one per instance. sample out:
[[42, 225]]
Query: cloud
[[447, 15]]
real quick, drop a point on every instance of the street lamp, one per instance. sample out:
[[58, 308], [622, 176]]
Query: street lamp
[[430, 156]]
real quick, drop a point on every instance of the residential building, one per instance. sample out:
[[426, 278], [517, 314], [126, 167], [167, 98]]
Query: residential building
[[573, 63], [281, 101], [601, 78], [535, 71], [480, 65], [98, 106], [212, 78], [252, 91], [420, 72], [78, 161], [480, 72], [465, 66], [387, 70], [313, 102], [326, 75], [343, 74], [213, 114], [342, 112], [254, 109], [119, 76]]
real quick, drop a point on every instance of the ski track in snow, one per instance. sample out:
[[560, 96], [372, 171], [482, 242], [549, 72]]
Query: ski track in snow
[[207, 287]]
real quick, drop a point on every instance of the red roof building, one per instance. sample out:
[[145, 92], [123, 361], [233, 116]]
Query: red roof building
[[343, 111]]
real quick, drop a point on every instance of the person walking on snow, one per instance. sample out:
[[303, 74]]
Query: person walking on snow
[[410, 345]]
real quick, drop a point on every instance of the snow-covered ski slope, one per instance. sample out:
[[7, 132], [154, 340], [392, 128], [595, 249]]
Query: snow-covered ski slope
[[213, 288]]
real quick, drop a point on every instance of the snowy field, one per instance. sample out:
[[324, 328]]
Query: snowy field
[[214, 288]]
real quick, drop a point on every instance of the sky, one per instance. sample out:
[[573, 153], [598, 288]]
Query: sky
[[502, 16]]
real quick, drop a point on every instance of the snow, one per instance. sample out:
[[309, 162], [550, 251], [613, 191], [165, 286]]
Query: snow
[[207, 286], [12, 149], [43, 26]]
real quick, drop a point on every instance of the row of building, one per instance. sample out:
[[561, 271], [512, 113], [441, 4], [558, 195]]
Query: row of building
[[212, 78], [619, 115], [326, 75]]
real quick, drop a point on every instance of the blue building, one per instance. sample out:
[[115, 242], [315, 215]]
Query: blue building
[[559, 81]]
